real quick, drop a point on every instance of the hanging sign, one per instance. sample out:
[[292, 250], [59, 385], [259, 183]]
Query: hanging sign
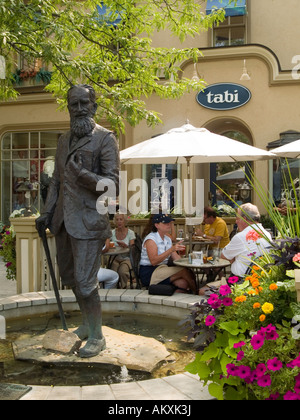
[[224, 96]]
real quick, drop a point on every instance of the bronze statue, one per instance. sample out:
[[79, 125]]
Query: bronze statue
[[85, 155]]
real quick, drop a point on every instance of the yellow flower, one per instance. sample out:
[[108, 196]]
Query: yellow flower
[[256, 305], [267, 308], [262, 318], [251, 292], [273, 286]]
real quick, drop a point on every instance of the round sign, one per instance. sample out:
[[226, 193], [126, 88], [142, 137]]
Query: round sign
[[224, 96]]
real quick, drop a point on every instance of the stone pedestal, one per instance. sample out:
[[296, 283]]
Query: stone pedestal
[[32, 268]]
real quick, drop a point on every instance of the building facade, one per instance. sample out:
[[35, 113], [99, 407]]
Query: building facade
[[255, 49]]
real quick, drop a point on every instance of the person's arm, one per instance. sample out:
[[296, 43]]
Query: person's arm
[[172, 234], [152, 252], [106, 246], [233, 249]]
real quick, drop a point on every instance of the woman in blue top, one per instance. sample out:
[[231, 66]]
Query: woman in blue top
[[156, 250]]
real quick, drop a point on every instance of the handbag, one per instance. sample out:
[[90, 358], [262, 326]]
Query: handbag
[[162, 289]]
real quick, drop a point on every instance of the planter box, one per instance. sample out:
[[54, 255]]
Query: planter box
[[297, 283]]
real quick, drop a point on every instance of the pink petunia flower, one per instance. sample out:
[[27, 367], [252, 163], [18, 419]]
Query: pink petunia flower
[[239, 344], [213, 298], [291, 396], [260, 369], [225, 290], [274, 364], [264, 381], [240, 355], [273, 397], [294, 363], [232, 370], [233, 279], [297, 388], [227, 301], [210, 320], [273, 335], [257, 341], [244, 372]]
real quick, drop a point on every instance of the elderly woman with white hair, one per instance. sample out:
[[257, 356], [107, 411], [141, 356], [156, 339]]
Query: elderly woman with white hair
[[124, 238], [252, 240]]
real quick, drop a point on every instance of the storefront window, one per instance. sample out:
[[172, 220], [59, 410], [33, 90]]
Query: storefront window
[[27, 160], [231, 178], [230, 32], [163, 189], [283, 172]]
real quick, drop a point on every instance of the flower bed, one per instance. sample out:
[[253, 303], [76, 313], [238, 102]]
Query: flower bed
[[246, 334]]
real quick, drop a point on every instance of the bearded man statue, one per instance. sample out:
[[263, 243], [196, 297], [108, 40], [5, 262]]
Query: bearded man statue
[[85, 155]]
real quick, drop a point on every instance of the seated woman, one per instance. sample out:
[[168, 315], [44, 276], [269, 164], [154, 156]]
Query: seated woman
[[156, 250], [124, 238]]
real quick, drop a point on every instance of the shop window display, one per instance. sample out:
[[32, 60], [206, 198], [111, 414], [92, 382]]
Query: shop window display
[[27, 163]]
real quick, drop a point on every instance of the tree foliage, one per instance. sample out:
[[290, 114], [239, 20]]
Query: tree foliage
[[118, 60]]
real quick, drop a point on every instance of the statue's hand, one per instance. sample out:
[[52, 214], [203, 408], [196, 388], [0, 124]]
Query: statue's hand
[[42, 223], [75, 164]]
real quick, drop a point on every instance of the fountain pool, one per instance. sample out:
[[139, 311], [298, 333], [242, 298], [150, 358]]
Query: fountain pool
[[148, 324]]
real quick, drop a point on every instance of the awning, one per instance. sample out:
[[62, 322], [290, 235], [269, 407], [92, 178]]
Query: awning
[[231, 8], [104, 13]]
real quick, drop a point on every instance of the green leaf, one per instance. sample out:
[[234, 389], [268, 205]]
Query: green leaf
[[211, 352], [197, 367], [233, 394], [222, 339], [290, 273], [216, 391], [224, 362], [232, 327]]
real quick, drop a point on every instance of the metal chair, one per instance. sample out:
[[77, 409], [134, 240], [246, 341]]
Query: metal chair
[[135, 256]]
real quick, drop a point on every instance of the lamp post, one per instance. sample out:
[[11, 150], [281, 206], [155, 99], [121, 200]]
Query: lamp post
[[27, 187], [245, 191]]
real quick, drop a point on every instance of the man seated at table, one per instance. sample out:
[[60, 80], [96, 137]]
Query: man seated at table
[[252, 240], [215, 229]]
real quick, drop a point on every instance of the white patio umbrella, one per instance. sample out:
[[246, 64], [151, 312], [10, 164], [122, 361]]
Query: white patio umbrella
[[290, 150], [188, 144], [232, 176]]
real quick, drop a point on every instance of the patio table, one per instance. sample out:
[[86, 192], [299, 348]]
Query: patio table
[[112, 253], [211, 269]]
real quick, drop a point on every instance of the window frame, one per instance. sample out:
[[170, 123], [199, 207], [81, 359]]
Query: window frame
[[36, 152], [229, 26]]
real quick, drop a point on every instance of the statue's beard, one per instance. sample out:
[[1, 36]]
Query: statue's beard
[[81, 126]]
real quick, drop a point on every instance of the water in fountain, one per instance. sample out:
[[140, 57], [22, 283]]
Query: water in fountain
[[124, 374], [164, 330]]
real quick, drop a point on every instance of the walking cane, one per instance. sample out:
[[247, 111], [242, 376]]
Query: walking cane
[[53, 278]]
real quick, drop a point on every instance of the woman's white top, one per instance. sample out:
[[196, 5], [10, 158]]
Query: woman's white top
[[162, 246]]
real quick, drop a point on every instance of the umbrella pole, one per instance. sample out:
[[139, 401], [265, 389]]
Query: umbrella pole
[[190, 227]]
